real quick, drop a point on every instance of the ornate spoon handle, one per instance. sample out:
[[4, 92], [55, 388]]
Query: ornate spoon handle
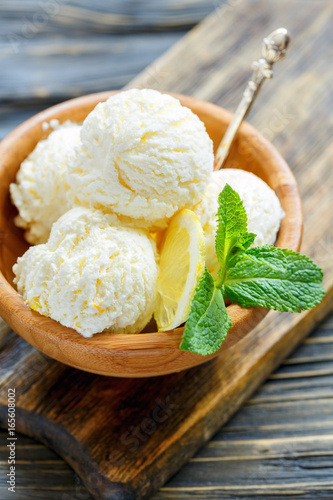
[[273, 49]]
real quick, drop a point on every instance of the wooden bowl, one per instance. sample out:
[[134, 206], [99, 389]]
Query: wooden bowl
[[148, 354]]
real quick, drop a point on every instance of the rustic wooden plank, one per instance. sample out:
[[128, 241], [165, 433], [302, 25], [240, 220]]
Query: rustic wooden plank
[[321, 351], [76, 492], [101, 47], [56, 475], [30, 452], [5, 331], [250, 449], [320, 489], [313, 350], [296, 389], [274, 472], [47, 69], [282, 412], [267, 431], [98, 15], [312, 370]]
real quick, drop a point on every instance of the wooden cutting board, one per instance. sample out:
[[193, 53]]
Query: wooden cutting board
[[126, 437]]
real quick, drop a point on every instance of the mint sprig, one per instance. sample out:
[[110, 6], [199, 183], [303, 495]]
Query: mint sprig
[[275, 278], [232, 237], [265, 276], [208, 322]]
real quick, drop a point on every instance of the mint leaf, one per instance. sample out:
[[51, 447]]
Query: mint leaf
[[232, 222], [246, 240], [275, 278], [231, 235], [208, 322]]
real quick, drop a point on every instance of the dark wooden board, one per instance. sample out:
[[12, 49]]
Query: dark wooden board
[[287, 424], [110, 430]]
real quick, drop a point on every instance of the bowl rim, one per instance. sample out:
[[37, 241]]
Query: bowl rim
[[33, 327]]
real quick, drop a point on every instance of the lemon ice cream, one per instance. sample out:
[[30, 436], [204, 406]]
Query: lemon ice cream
[[143, 156], [39, 192], [91, 275], [262, 207]]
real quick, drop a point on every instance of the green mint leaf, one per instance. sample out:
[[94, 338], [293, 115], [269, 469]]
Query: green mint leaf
[[275, 278], [208, 322], [232, 237], [232, 222], [246, 240]]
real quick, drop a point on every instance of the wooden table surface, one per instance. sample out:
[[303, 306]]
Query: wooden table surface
[[280, 444]]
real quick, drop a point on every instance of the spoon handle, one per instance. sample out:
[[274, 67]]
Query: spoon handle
[[273, 49]]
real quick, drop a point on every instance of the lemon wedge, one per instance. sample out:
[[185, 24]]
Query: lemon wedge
[[182, 262]]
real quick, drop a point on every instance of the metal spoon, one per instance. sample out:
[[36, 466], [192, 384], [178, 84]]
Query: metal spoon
[[273, 49]]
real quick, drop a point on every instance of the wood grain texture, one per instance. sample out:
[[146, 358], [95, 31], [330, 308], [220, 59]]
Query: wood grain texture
[[86, 16], [59, 49], [296, 117], [286, 426]]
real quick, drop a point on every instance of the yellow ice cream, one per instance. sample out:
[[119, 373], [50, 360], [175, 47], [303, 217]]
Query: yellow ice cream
[[39, 192], [91, 275], [263, 209], [143, 156]]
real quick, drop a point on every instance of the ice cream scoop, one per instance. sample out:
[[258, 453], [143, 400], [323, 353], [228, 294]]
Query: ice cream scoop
[[91, 275], [262, 207], [39, 192], [143, 156]]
